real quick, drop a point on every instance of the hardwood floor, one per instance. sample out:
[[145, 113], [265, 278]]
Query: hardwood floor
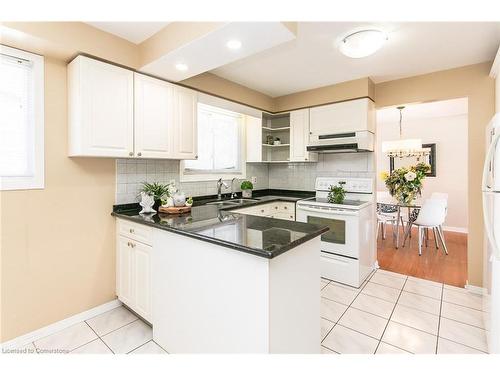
[[433, 264]]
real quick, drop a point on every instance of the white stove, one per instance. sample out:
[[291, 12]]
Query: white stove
[[348, 250]]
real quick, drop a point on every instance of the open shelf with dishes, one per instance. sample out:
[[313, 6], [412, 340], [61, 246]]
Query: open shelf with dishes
[[276, 137]]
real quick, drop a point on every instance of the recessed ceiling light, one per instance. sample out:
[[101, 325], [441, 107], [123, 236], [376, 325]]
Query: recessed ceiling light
[[362, 43], [182, 67], [233, 44]]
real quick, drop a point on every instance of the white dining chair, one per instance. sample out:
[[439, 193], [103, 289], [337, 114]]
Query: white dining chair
[[387, 213], [431, 216]]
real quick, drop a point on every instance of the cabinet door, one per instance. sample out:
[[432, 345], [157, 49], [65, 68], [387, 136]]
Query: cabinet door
[[254, 139], [101, 109], [345, 117], [153, 118], [299, 136], [125, 271], [186, 124], [142, 280]]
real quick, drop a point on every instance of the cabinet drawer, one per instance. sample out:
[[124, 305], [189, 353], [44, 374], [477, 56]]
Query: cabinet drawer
[[285, 216], [287, 207], [134, 231]]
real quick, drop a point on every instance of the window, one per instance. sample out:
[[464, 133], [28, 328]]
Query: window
[[21, 120], [220, 146]]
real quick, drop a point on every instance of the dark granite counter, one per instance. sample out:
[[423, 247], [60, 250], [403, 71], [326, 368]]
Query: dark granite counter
[[261, 236]]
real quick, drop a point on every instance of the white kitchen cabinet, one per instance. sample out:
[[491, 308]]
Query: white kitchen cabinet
[[299, 136], [124, 271], [114, 112], [253, 130], [133, 267], [154, 118], [277, 210], [186, 124], [345, 117], [101, 109], [142, 280]]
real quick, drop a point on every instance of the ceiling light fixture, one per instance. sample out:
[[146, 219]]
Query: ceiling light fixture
[[362, 43], [182, 67], [233, 44], [404, 147]]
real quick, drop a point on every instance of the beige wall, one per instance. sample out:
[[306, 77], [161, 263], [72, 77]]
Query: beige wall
[[334, 93], [474, 83], [57, 244], [212, 84]]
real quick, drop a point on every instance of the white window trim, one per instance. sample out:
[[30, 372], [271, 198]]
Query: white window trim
[[37, 181], [194, 177]]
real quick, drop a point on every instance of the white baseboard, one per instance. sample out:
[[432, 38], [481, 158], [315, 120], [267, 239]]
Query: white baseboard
[[475, 289], [25, 339], [455, 229]]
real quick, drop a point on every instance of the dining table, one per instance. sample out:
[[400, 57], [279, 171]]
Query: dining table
[[391, 201]]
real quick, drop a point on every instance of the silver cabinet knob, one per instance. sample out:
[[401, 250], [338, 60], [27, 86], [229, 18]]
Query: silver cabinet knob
[[130, 153], [196, 156], [139, 154], [131, 230]]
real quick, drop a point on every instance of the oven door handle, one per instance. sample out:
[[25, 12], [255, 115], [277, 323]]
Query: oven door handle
[[328, 211]]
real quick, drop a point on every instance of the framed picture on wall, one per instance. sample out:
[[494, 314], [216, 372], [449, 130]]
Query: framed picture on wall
[[430, 159]]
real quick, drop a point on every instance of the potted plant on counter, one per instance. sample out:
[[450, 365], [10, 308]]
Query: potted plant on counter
[[157, 191], [337, 193], [246, 189]]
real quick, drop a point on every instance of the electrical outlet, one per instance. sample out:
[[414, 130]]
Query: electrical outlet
[[172, 182], [254, 179]]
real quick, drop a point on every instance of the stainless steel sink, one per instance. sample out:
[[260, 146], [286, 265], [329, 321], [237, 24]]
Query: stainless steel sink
[[222, 203], [243, 200]]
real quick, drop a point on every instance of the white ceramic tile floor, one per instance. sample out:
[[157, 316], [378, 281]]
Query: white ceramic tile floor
[[419, 316], [411, 316], [116, 331]]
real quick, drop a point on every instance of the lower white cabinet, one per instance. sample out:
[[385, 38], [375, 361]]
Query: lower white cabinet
[[278, 210], [133, 272]]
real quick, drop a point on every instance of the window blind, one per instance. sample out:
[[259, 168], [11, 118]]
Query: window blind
[[16, 117]]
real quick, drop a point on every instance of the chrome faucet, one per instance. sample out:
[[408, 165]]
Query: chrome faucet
[[233, 194], [220, 183]]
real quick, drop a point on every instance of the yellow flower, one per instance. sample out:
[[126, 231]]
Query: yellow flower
[[384, 175]]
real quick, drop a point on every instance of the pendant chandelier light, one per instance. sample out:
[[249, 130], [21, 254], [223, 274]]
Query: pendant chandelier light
[[404, 148]]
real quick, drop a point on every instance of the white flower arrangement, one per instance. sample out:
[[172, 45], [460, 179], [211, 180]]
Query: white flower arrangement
[[410, 176]]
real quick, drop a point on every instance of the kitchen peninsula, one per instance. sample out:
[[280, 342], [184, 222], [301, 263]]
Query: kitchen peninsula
[[221, 281]]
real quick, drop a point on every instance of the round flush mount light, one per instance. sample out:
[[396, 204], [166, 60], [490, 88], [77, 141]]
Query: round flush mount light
[[182, 67], [233, 44], [362, 43]]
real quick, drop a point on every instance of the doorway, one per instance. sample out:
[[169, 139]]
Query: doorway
[[441, 126]]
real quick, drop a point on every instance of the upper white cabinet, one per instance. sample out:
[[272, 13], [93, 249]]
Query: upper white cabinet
[[114, 112], [154, 118], [345, 117], [186, 124], [101, 109], [299, 136]]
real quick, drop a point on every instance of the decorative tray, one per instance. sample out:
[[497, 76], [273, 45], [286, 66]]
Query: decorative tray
[[174, 210]]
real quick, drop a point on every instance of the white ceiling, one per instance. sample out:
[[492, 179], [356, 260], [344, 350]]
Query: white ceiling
[[312, 60], [418, 111], [135, 32], [209, 51]]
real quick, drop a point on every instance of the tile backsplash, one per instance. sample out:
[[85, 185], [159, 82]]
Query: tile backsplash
[[302, 176], [130, 173]]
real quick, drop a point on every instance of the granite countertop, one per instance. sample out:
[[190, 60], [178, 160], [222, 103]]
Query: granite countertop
[[261, 236]]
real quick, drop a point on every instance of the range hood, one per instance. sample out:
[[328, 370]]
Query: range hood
[[361, 141]]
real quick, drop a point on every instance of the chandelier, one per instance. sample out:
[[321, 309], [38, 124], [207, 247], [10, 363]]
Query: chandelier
[[404, 148]]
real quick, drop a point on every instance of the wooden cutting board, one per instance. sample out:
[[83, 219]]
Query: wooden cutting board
[[175, 210]]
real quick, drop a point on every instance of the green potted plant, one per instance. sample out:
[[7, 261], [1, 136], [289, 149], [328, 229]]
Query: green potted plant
[[246, 189], [337, 193], [406, 183], [157, 191]]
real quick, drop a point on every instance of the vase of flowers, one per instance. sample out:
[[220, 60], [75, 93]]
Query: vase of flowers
[[405, 183]]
